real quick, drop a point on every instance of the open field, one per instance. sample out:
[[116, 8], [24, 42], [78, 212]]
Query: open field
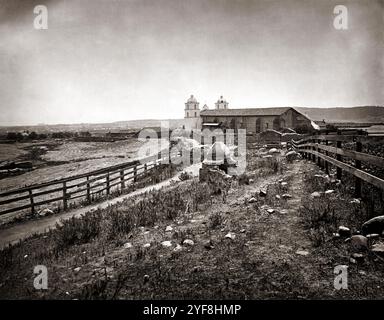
[[66, 158], [193, 240]]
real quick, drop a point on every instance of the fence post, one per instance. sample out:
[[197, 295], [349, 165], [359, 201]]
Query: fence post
[[88, 191], [318, 150], [32, 202], [326, 153], [313, 149], [135, 173], [359, 148], [122, 179], [108, 183], [338, 157], [65, 203]]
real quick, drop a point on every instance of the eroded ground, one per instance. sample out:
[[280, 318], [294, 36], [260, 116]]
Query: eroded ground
[[238, 248]]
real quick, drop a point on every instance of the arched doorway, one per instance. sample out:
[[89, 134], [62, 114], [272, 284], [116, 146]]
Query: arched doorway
[[276, 123], [258, 125]]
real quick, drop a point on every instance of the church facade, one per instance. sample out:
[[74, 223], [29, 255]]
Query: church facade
[[254, 120]]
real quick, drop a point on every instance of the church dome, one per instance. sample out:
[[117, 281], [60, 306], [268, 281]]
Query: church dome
[[192, 99]]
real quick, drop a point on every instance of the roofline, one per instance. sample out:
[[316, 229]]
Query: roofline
[[264, 115]]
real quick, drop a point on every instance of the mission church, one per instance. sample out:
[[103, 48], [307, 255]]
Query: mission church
[[254, 120]]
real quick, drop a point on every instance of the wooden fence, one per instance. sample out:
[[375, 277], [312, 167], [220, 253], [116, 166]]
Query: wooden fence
[[325, 149], [83, 186]]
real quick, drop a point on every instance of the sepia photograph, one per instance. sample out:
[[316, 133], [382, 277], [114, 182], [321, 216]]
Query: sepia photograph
[[179, 150]]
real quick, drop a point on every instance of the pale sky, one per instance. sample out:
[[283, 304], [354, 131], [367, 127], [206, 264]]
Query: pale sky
[[103, 60]]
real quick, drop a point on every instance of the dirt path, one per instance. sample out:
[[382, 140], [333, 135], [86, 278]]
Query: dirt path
[[24, 230]]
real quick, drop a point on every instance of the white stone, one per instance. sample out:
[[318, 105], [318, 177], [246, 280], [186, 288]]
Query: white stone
[[188, 242], [147, 245], [316, 194], [230, 235], [168, 229], [178, 248], [166, 243], [127, 245], [344, 231], [302, 252], [45, 212]]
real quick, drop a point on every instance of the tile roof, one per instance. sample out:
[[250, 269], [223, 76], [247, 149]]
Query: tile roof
[[245, 112]]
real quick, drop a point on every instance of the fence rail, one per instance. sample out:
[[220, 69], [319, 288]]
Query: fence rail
[[85, 186], [320, 148]]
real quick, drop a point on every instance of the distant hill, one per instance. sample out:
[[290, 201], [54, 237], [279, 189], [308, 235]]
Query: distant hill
[[369, 114], [129, 124]]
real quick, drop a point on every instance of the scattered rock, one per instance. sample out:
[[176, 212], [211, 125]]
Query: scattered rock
[[168, 229], [267, 156], [277, 197], [373, 236], [45, 212], [252, 200], [147, 245], [374, 225], [355, 201], [302, 252], [77, 269], [351, 260], [359, 243], [146, 278], [188, 242], [291, 155], [262, 193], [362, 272], [284, 184], [127, 245], [251, 180], [358, 256], [270, 211], [242, 230], [329, 191], [196, 269], [273, 150], [335, 236], [166, 244], [344, 231], [286, 196], [230, 235], [378, 249], [316, 194], [178, 248], [208, 245]]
